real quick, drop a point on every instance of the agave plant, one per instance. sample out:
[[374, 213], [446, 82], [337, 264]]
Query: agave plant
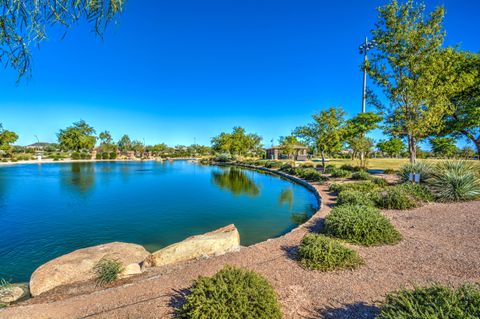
[[455, 181], [423, 168]]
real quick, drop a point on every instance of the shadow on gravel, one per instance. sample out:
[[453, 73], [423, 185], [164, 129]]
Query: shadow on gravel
[[316, 226], [291, 252], [353, 311], [177, 299]]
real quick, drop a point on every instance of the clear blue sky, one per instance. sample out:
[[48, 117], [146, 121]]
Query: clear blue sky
[[174, 70]]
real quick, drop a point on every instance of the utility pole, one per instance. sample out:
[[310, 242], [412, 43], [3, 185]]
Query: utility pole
[[364, 48]]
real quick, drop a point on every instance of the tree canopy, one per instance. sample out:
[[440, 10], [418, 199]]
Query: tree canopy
[[7, 138], [25, 23], [79, 136], [237, 143], [416, 74], [288, 143], [443, 146], [325, 133], [392, 147]]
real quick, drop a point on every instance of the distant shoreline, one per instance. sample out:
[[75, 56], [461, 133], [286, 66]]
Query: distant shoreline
[[67, 161]]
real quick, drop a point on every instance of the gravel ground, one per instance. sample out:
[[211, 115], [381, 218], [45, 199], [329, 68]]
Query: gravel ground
[[441, 244]]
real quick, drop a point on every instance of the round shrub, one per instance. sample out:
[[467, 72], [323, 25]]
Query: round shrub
[[434, 302], [379, 181], [347, 167], [395, 198], [105, 155], [85, 156], [75, 155], [98, 156], [455, 181], [389, 171], [319, 252], [340, 173], [417, 191], [113, 155], [364, 186], [273, 164], [329, 169], [231, 292], [311, 174], [361, 175], [223, 158], [355, 198], [423, 168], [362, 225]]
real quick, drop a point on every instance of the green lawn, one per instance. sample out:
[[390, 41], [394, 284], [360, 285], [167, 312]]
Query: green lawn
[[380, 163]]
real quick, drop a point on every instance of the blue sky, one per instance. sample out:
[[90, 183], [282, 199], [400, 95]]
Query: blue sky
[[172, 71]]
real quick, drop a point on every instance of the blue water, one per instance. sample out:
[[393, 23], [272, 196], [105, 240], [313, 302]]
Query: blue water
[[51, 209]]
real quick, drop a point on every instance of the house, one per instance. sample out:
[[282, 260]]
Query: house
[[276, 152]]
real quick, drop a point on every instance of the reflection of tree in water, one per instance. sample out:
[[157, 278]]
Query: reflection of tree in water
[[236, 181], [81, 176], [299, 218], [286, 197]]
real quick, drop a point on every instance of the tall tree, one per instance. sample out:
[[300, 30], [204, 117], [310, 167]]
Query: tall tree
[[237, 143], [79, 136], [7, 138], [106, 141], [24, 24], [444, 146], [355, 130], [326, 132], [464, 121], [413, 70], [392, 147], [124, 144]]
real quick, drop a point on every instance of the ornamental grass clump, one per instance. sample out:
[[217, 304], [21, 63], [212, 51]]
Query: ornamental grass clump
[[361, 175], [434, 302], [107, 270], [362, 225], [455, 181], [423, 168], [319, 252], [231, 293]]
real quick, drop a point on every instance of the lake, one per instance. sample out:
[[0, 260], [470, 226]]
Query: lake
[[47, 210]]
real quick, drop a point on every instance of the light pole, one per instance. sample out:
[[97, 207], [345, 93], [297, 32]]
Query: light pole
[[364, 48]]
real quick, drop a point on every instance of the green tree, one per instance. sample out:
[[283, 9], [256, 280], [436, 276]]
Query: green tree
[[7, 138], [287, 144], [326, 132], [467, 152], [24, 24], [158, 149], [444, 146], [415, 73], [392, 147], [355, 130], [464, 121], [237, 143], [106, 142], [124, 144], [79, 136]]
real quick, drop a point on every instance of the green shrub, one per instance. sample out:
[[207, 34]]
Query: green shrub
[[231, 293], [223, 158], [273, 164], [434, 302], [395, 198], [105, 155], [364, 186], [389, 171], [417, 191], [455, 181], [340, 173], [329, 169], [107, 270], [360, 225], [318, 252], [355, 198], [85, 156], [113, 155], [379, 181], [423, 168], [98, 156], [311, 174], [347, 167], [361, 175], [307, 164]]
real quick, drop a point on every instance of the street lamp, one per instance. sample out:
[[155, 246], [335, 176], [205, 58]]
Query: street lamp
[[364, 48]]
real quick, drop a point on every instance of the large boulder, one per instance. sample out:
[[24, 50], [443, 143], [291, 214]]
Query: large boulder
[[78, 266], [217, 242]]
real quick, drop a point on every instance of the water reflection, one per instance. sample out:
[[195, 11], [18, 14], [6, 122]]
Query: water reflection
[[236, 181], [80, 176], [286, 197], [299, 218]]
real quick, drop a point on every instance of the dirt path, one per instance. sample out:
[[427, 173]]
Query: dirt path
[[441, 243]]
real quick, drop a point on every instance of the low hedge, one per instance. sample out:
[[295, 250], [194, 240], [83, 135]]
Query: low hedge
[[354, 197], [395, 198], [363, 186], [362, 225], [231, 293], [319, 252], [434, 302]]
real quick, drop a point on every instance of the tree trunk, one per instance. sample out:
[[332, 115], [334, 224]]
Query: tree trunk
[[412, 148], [323, 161]]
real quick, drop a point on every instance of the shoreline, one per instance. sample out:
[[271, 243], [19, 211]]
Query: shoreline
[[69, 161]]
